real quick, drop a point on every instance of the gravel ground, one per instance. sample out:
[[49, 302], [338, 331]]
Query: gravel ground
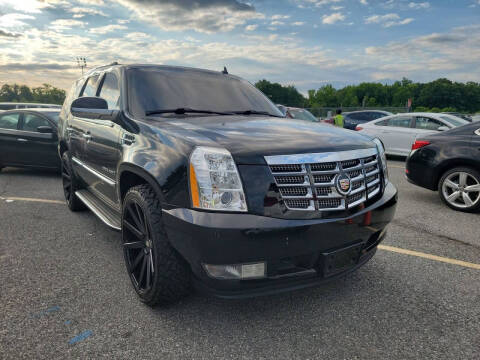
[[65, 293]]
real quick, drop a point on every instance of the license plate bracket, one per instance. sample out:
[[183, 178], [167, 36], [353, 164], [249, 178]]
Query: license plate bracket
[[340, 260]]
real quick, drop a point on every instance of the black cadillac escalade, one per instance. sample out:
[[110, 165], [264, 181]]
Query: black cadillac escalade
[[211, 186]]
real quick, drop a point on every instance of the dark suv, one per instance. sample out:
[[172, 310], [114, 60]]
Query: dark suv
[[354, 118], [211, 186]]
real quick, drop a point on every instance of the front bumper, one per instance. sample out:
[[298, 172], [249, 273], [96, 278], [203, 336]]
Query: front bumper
[[294, 250]]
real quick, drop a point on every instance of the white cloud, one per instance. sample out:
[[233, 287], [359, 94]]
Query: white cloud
[[421, 5], [298, 23], [279, 17], [66, 24], [364, 2], [107, 29], [333, 18], [388, 20], [14, 20], [82, 11], [202, 16], [251, 27]]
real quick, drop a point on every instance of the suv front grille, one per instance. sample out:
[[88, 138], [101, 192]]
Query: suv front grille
[[311, 182]]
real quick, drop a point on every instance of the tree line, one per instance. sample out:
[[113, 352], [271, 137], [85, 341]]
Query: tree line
[[23, 93], [438, 95]]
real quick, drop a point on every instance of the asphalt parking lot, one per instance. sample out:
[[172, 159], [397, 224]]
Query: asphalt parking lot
[[65, 292]]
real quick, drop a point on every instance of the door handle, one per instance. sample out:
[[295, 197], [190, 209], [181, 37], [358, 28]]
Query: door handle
[[87, 136], [22, 140]]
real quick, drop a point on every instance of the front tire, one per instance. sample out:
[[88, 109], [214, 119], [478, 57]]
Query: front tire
[[158, 273], [70, 185], [459, 188]]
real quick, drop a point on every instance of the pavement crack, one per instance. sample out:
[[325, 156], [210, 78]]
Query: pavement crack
[[433, 233]]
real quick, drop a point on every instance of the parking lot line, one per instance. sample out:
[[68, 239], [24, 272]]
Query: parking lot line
[[429, 256], [48, 201]]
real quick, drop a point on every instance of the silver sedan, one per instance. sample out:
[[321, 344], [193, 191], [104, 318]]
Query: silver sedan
[[398, 132]]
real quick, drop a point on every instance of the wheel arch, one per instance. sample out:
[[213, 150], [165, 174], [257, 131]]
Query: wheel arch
[[130, 175]]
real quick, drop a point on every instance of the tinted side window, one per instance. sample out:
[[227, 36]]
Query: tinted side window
[[357, 116], [381, 123], [91, 86], [375, 115], [7, 107], [110, 91], [31, 122], [9, 121], [403, 121], [425, 123]]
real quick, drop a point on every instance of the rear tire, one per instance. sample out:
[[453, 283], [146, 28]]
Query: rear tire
[[159, 275], [459, 188], [70, 185]]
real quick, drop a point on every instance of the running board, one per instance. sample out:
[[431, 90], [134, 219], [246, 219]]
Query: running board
[[110, 217]]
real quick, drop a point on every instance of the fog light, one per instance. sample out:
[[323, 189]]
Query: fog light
[[236, 271]]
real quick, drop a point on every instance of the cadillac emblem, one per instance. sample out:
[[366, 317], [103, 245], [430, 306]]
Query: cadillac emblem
[[343, 184]]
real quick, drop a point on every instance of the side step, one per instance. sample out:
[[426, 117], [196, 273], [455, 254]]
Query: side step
[[110, 217]]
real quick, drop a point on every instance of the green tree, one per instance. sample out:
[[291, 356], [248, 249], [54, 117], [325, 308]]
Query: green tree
[[41, 94], [285, 95]]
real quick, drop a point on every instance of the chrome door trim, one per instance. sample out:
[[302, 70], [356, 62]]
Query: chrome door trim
[[94, 172], [320, 157], [477, 132]]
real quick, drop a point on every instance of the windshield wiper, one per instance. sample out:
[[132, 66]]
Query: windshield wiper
[[254, 112], [181, 111]]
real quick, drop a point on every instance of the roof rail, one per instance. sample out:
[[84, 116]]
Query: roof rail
[[102, 66]]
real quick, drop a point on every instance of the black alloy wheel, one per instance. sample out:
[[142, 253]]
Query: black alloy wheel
[[70, 185], [158, 273], [137, 247]]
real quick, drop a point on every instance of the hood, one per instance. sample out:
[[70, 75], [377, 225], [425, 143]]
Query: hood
[[250, 138]]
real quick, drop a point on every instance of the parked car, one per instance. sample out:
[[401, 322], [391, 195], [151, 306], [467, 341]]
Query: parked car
[[398, 132], [476, 117], [449, 163], [217, 188], [460, 115], [282, 108], [354, 118], [14, 105], [300, 114], [28, 138]]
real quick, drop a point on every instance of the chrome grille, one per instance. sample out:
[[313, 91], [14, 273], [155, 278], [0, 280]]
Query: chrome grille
[[308, 182]]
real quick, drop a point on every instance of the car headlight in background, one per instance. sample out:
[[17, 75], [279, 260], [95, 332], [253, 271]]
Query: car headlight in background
[[383, 157], [214, 180]]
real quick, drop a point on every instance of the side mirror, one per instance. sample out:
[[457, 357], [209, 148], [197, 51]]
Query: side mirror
[[45, 130], [443, 128], [93, 108]]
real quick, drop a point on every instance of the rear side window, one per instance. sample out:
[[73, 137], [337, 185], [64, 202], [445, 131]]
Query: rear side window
[[402, 121], [90, 88], [31, 122], [425, 123], [357, 116], [375, 115], [9, 121], [110, 91]]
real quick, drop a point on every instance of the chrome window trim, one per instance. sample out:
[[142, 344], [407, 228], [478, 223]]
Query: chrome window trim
[[94, 172], [320, 157]]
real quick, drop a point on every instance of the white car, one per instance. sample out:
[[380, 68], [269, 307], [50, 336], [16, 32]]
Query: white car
[[398, 132]]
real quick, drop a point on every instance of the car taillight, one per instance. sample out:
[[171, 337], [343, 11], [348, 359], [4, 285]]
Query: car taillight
[[419, 144], [358, 128]]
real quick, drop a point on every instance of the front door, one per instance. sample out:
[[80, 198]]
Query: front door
[[37, 149], [104, 147]]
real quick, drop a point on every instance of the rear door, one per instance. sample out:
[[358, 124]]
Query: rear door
[[9, 138], [398, 135], [104, 146], [79, 132], [36, 148]]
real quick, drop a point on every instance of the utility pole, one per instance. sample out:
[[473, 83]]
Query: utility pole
[[81, 62]]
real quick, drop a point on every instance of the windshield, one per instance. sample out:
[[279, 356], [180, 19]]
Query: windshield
[[156, 88], [302, 114], [454, 120]]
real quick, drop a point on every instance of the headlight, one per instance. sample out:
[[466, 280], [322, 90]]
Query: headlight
[[383, 157], [214, 180]]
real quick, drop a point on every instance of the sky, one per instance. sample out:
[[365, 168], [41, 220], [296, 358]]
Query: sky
[[305, 43]]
